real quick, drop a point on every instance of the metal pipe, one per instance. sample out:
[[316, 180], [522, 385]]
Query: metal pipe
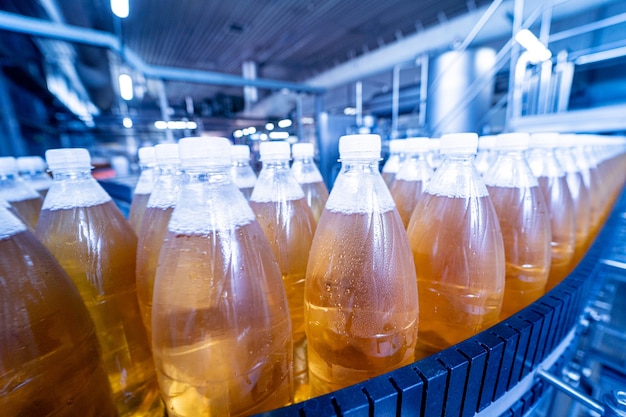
[[164, 105], [569, 390], [300, 126], [518, 16], [39, 27], [600, 24], [480, 24], [358, 91], [395, 101], [424, 62]]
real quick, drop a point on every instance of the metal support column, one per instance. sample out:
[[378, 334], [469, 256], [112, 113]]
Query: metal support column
[[358, 91], [395, 101], [518, 16], [164, 105], [13, 145], [424, 61]]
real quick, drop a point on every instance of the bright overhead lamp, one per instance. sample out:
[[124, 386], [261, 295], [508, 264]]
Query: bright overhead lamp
[[269, 126], [537, 51], [127, 122], [126, 86], [120, 8], [284, 123], [279, 135]]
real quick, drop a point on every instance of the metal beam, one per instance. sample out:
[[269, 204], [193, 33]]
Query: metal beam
[[39, 27]]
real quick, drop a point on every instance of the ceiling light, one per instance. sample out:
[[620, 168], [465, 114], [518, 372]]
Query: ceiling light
[[279, 135], [160, 124], [251, 130], [284, 123], [349, 111], [126, 86], [238, 133], [192, 125], [127, 122], [120, 8], [269, 126], [537, 50], [308, 120]]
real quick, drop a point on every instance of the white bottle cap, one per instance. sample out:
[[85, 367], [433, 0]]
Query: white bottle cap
[[459, 143], [396, 145], [486, 142], [147, 155], [545, 140], [279, 150], [302, 150], [74, 158], [365, 146], [434, 144], [31, 164], [166, 153], [8, 165], [512, 141], [204, 151], [240, 152], [416, 145]]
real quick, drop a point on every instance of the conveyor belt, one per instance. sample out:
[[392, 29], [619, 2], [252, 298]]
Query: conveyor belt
[[492, 373]]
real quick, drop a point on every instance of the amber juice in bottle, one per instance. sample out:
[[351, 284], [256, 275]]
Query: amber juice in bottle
[[144, 186], [288, 223], [154, 226], [49, 353], [309, 177], [411, 179], [220, 321], [458, 251], [361, 305], [524, 222], [24, 200], [93, 242]]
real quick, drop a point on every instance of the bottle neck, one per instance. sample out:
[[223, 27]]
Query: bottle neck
[[365, 165], [64, 174], [276, 164], [207, 174]]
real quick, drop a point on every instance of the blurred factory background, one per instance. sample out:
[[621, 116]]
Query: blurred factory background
[[321, 68]]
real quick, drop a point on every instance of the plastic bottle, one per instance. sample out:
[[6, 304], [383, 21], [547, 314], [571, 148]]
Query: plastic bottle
[[434, 157], [241, 171], [143, 189], [458, 250], [49, 353], [486, 156], [524, 222], [558, 198], [287, 220], [25, 201], [581, 197], [411, 179], [361, 304], [220, 321], [89, 236], [396, 156], [32, 170], [169, 180], [309, 177]]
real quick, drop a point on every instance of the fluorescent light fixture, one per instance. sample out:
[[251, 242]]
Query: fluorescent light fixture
[[537, 51], [120, 8], [175, 125], [307, 120], [284, 123], [238, 133], [160, 124], [192, 125], [279, 135], [251, 130], [349, 111], [126, 86], [127, 122], [269, 126], [263, 136]]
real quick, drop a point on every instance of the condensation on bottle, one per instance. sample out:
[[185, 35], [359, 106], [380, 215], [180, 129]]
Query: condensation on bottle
[[32, 169], [524, 222], [395, 159], [558, 198], [486, 155], [309, 177], [24, 200], [242, 173], [412, 178], [89, 236], [143, 189], [361, 303], [49, 353], [152, 234], [581, 197], [287, 220], [458, 250], [220, 320]]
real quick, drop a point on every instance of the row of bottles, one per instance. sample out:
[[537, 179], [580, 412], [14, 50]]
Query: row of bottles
[[239, 303]]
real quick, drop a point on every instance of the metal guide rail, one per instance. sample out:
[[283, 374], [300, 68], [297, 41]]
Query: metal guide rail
[[499, 372]]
